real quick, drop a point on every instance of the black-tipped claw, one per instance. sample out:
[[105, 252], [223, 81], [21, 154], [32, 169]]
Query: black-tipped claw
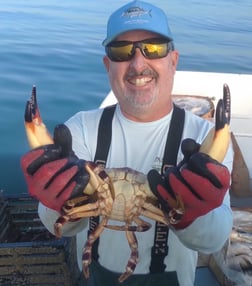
[[227, 102], [31, 106], [223, 109]]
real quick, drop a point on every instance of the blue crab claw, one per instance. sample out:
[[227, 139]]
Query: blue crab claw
[[36, 131], [217, 141]]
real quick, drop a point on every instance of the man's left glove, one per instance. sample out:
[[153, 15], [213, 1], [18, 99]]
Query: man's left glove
[[199, 183]]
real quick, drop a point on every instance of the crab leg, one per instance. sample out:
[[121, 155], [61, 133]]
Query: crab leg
[[157, 214], [217, 141], [134, 257], [141, 226], [87, 250], [71, 212]]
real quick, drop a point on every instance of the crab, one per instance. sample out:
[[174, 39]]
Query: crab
[[121, 194]]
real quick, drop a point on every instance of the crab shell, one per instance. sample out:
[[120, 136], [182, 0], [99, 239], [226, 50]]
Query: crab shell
[[121, 194]]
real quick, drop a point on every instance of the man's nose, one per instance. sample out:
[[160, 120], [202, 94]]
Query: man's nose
[[138, 61]]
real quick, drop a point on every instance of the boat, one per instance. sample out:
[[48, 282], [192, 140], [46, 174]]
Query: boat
[[31, 256]]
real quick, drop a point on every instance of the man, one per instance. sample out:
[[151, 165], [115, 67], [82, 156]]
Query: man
[[141, 62]]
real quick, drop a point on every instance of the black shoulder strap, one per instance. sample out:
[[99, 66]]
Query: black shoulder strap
[[160, 247], [104, 135], [101, 154], [173, 138]]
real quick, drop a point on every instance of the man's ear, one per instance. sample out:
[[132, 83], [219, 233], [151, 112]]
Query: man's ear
[[106, 62], [175, 59]]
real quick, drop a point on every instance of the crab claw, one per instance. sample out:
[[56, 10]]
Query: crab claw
[[36, 131], [223, 110], [31, 110], [217, 141]]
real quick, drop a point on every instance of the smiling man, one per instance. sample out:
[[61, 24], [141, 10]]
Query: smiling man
[[141, 61], [143, 131]]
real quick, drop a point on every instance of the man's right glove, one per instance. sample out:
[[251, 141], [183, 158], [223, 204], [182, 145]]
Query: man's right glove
[[53, 173]]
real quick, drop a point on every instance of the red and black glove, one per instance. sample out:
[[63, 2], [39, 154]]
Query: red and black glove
[[53, 173], [199, 182]]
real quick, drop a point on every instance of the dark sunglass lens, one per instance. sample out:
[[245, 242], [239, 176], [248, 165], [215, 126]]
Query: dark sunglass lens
[[155, 51], [120, 52]]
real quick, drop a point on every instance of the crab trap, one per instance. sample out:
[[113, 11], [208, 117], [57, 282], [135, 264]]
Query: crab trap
[[29, 254]]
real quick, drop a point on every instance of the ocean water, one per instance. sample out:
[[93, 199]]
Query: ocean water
[[56, 45]]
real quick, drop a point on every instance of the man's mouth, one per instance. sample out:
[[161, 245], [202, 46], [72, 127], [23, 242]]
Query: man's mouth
[[140, 81]]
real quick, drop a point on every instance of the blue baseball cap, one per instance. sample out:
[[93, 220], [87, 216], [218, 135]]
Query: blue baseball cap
[[137, 15]]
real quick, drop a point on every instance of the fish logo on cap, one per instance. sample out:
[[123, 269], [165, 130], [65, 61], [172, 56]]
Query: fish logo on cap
[[136, 12]]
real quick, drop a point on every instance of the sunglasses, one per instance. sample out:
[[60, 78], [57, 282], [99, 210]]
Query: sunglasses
[[156, 48]]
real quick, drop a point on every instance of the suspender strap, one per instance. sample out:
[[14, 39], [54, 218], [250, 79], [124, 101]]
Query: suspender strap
[[173, 138], [104, 135], [160, 248], [102, 149]]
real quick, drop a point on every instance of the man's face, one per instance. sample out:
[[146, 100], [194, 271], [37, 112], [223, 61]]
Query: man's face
[[142, 86]]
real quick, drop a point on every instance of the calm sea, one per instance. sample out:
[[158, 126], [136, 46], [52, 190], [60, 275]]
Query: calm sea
[[56, 45]]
